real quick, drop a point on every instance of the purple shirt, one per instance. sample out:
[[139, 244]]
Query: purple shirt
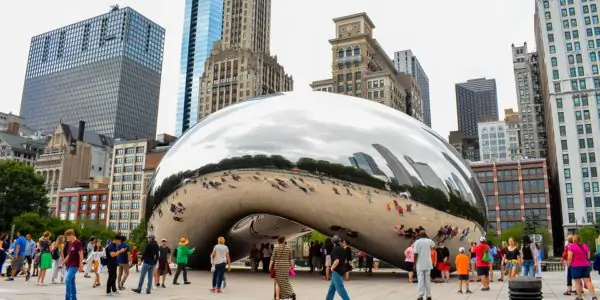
[[580, 255], [73, 252]]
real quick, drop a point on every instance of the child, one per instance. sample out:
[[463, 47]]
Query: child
[[462, 269], [36, 262], [95, 261]]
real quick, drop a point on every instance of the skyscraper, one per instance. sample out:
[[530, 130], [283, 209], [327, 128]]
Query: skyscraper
[[408, 63], [566, 37], [366, 162], [202, 27], [240, 66], [475, 99], [105, 70], [531, 104]]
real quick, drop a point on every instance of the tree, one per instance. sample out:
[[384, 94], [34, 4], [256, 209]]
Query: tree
[[516, 232], [588, 235], [138, 236], [21, 190], [36, 225]]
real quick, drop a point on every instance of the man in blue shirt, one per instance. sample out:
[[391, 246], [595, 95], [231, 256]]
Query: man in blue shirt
[[124, 261], [19, 256]]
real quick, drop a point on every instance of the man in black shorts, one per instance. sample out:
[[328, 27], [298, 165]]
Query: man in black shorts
[[482, 254]]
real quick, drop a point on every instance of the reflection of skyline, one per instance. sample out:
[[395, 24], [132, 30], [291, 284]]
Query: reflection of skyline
[[427, 174], [401, 174], [366, 162]]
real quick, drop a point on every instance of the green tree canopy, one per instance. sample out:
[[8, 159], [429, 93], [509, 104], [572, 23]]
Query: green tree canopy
[[588, 235], [36, 225], [516, 232], [139, 234], [21, 190]]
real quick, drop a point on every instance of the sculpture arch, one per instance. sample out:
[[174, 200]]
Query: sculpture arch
[[341, 165]]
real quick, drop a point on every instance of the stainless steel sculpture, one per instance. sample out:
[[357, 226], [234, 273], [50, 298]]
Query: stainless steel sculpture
[[282, 164]]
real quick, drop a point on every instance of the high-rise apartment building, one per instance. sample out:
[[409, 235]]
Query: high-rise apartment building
[[105, 70], [407, 63], [467, 147], [498, 141], [72, 154], [515, 190], [202, 27], [475, 99], [129, 181], [240, 66], [531, 105], [362, 68], [568, 39], [87, 201]]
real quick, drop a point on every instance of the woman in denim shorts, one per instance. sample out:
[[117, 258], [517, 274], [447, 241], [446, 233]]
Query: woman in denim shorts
[[513, 258]]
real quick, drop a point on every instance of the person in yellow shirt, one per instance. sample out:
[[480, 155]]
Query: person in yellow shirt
[[462, 269]]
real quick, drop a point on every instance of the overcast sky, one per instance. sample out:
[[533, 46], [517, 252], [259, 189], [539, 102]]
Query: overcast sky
[[454, 40]]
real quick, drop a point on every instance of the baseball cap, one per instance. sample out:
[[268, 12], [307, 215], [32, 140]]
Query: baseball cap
[[461, 249], [482, 239]]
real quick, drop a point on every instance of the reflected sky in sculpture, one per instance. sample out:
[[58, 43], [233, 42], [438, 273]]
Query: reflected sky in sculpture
[[306, 124], [331, 162]]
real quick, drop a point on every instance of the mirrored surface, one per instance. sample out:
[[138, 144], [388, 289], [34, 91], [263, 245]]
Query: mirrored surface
[[283, 164]]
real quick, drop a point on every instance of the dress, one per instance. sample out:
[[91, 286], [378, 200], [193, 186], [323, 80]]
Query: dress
[[45, 256], [281, 258]]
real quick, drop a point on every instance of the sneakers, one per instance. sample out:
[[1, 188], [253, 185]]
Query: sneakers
[[187, 282]]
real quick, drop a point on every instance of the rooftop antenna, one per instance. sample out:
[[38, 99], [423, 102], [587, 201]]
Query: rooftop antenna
[[114, 7]]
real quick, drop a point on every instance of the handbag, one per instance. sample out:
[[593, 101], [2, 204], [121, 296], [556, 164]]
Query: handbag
[[292, 272]]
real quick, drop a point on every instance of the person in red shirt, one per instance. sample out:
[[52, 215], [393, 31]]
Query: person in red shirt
[[134, 258], [483, 266]]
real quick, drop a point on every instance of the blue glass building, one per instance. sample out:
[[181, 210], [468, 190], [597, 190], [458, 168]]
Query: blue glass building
[[105, 70], [202, 27]]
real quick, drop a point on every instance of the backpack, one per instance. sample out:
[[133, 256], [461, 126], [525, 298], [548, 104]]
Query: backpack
[[103, 258], [175, 253], [486, 256], [54, 253]]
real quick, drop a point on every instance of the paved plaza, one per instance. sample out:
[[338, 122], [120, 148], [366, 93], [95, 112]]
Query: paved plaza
[[241, 284]]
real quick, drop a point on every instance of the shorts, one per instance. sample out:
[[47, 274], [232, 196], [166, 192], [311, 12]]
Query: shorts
[[463, 277], [409, 266], [442, 266], [473, 260], [579, 272], [483, 271], [28, 259], [17, 263], [328, 261]]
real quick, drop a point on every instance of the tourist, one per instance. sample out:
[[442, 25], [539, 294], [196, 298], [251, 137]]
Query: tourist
[[4, 246], [280, 265], [266, 257], [338, 269], [423, 264], [124, 261], [409, 261], [220, 261], [58, 256], [135, 259], [529, 256], [540, 257], [112, 251], [327, 250], [89, 249], [95, 260], [30, 248], [45, 257], [73, 262], [348, 261], [492, 254], [578, 260], [183, 252], [149, 260], [18, 257], [462, 262], [482, 255], [567, 270], [473, 259], [443, 262], [513, 258], [502, 256], [164, 261], [36, 261]]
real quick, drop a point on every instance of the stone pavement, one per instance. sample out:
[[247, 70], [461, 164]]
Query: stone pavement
[[241, 284]]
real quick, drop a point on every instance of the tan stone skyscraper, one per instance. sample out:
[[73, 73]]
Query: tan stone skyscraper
[[240, 65]]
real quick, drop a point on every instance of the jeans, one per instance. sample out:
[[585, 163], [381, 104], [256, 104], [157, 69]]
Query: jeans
[[146, 272], [528, 269], [181, 268], [111, 282], [424, 283], [70, 284], [337, 285], [218, 274]]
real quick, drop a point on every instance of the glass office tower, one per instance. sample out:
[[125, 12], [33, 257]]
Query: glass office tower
[[202, 27], [105, 70]]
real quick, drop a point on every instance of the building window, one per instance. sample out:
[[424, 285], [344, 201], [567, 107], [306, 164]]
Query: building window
[[567, 173], [570, 203], [554, 61]]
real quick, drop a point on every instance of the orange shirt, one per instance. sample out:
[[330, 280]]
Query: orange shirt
[[462, 264]]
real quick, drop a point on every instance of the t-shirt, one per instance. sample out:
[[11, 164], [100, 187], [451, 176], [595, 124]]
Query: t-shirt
[[45, 246], [479, 251], [163, 253], [74, 248], [422, 247], [221, 254], [409, 253], [123, 258], [22, 242], [151, 253], [462, 264], [111, 261], [338, 253], [580, 255]]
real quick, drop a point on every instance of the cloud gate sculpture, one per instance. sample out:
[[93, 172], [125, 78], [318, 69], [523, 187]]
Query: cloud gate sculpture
[[286, 163]]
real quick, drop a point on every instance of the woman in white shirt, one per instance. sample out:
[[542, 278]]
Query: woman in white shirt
[[220, 262], [96, 257]]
